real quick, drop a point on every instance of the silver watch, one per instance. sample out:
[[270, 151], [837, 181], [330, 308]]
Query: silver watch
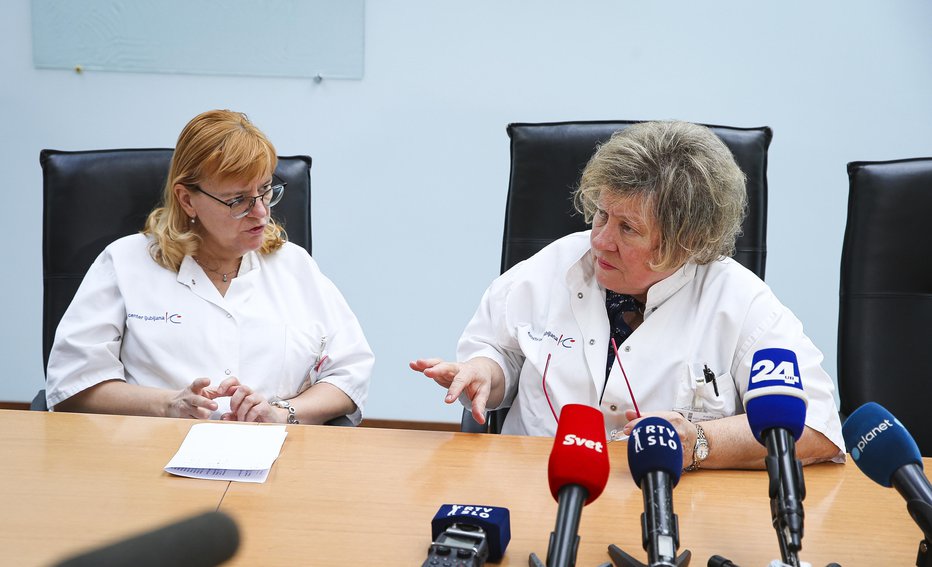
[[292, 420], [700, 451]]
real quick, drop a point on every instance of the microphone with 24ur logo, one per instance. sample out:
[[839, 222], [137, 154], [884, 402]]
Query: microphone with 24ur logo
[[578, 472], [655, 458], [885, 452], [776, 409], [468, 536]]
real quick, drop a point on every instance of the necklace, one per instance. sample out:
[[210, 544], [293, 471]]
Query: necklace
[[226, 276]]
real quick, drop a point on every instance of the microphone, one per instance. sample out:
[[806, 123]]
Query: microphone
[[885, 452], [578, 472], [206, 540], [480, 531], [655, 458], [719, 561], [776, 410]]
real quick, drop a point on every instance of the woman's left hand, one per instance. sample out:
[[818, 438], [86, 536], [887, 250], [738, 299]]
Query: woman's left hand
[[684, 429], [247, 405]]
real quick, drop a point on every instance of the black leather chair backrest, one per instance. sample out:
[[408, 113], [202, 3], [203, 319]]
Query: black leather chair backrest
[[92, 198], [547, 160], [885, 309]]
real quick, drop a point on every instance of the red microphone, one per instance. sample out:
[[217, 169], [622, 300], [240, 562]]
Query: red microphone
[[577, 471]]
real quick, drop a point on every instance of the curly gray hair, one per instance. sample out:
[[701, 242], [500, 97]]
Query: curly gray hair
[[688, 181]]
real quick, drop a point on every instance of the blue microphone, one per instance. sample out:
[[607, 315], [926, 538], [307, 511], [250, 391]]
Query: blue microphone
[[472, 522], [654, 447], [887, 454], [655, 457], [776, 409], [775, 396]]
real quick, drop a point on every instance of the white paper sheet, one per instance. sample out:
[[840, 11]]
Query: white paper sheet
[[228, 451]]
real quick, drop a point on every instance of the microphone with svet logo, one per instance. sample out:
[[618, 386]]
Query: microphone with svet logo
[[776, 410], [577, 471], [655, 457], [885, 452], [484, 529]]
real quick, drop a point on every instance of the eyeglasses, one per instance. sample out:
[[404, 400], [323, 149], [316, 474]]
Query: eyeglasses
[[240, 206]]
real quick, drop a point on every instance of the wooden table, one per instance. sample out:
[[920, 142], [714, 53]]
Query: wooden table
[[74, 481], [338, 496], [345, 496]]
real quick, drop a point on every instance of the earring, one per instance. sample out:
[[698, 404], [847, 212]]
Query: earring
[[193, 220]]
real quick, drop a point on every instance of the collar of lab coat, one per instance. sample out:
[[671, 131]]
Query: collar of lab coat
[[191, 275]]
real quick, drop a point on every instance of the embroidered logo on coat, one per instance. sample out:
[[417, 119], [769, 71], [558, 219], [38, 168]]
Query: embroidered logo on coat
[[174, 318], [565, 342]]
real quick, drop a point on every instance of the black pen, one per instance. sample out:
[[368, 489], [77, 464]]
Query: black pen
[[710, 377]]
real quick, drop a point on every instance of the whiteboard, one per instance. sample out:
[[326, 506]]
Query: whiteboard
[[283, 38]]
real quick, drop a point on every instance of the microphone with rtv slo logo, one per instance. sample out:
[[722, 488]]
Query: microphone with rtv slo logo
[[578, 472], [468, 535], [885, 452], [655, 458]]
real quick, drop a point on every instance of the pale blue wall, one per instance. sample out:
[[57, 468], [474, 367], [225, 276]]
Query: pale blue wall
[[411, 163]]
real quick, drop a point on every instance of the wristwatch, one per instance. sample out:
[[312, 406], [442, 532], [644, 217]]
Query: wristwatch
[[292, 420], [700, 451]]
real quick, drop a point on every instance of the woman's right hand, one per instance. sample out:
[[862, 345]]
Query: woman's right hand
[[194, 401], [478, 377]]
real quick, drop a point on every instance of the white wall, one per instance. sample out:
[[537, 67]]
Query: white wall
[[411, 163]]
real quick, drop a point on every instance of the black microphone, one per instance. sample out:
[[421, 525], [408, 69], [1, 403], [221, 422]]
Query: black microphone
[[776, 410], [577, 472], [206, 540], [655, 458], [719, 561]]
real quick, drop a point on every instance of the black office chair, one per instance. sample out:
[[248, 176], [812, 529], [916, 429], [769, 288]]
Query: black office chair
[[91, 198], [885, 309], [547, 160]]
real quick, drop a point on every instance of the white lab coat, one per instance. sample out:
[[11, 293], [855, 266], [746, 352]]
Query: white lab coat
[[718, 315], [281, 327]]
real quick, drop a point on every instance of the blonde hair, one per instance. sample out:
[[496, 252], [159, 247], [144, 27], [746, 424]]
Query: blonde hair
[[687, 179], [220, 145]]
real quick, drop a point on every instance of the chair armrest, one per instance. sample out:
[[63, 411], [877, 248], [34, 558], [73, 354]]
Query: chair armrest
[[38, 402], [469, 425]]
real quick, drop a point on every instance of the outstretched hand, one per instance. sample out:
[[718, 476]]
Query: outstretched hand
[[474, 377]]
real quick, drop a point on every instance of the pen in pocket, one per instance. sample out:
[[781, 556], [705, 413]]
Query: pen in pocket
[[322, 355]]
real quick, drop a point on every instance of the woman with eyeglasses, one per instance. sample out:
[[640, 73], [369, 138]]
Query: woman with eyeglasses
[[644, 314], [210, 311]]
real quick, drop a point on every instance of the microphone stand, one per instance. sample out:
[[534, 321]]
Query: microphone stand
[[786, 496], [561, 552], [622, 559], [921, 513]]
